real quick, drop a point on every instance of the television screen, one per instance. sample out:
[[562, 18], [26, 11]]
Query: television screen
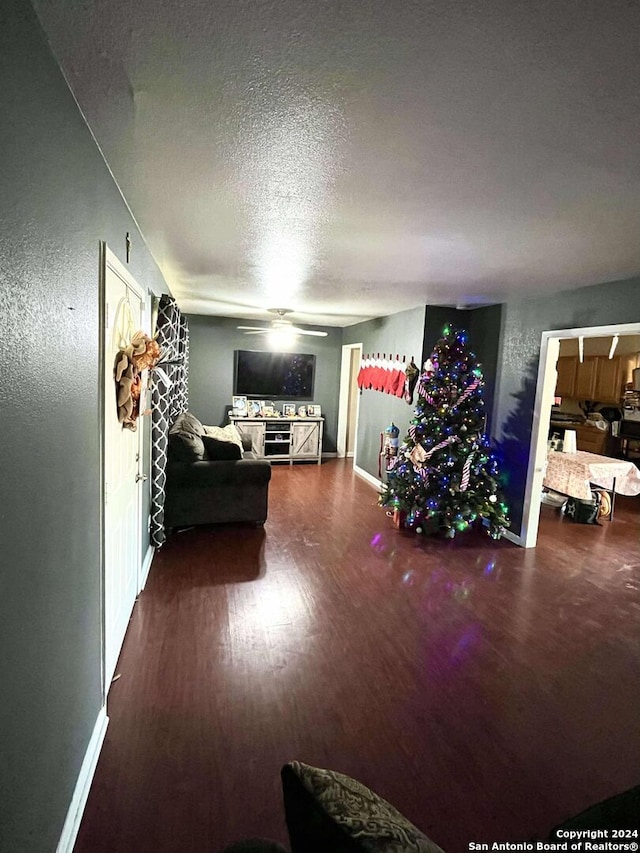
[[274, 375]]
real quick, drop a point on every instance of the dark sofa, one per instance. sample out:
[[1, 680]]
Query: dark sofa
[[212, 478]]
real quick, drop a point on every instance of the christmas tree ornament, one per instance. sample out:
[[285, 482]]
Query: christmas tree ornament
[[418, 455]]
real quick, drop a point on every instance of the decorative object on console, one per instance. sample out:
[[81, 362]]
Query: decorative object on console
[[239, 406], [302, 411], [254, 408], [314, 411]]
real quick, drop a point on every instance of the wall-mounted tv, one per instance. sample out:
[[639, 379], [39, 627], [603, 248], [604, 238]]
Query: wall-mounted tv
[[274, 375]]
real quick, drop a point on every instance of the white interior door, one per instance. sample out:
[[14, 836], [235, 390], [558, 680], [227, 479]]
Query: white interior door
[[123, 313], [349, 400]]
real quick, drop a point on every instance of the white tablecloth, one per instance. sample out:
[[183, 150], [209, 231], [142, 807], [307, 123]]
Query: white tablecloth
[[573, 473]]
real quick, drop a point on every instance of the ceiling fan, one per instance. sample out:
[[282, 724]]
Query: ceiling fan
[[280, 325]]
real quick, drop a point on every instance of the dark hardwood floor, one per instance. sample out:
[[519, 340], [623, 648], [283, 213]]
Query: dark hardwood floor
[[489, 692]]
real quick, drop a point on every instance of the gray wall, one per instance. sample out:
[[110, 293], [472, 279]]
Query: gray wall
[[213, 341], [522, 325], [402, 334], [57, 202]]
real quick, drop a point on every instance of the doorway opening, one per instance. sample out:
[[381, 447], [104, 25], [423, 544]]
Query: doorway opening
[[545, 392], [349, 401]]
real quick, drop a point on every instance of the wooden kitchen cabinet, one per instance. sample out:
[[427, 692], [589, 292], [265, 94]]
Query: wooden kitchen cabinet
[[566, 381], [627, 365], [611, 377], [586, 378], [608, 387], [597, 378]]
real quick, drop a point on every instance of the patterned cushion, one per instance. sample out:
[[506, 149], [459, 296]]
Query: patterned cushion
[[228, 433], [326, 810]]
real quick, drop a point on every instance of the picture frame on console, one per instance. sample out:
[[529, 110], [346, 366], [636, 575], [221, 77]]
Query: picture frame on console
[[239, 406], [314, 411], [254, 408], [289, 410]]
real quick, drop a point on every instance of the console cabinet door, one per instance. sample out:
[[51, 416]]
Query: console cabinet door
[[255, 431], [305, 439]]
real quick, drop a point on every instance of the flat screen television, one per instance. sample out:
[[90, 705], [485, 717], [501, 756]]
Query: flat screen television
[[274, 375]]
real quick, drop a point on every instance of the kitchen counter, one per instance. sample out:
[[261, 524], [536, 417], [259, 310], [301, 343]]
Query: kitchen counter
[[566, 424], [588, 436]]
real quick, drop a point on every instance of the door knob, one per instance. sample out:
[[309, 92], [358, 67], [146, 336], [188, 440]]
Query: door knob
[[140, 477]]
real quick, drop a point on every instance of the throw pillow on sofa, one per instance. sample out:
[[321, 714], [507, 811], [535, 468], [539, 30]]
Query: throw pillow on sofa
[[216, 450], [227, 433], [326, 810], [222, 443], [185, 439]]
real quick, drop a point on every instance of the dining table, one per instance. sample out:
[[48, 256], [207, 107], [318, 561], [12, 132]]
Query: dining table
[[575, 474]]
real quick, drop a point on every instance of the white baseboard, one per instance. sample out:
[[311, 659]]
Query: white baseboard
[[83, 784], [329, 455], [146, 565], [365, 475], [512, 537]]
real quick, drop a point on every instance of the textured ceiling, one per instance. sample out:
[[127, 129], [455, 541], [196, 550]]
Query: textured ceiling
[[352, 159]]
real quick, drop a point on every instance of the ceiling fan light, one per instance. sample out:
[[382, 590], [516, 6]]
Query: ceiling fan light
[[281, 337]]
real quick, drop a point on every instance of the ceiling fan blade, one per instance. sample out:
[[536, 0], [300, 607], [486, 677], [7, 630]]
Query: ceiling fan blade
[[252, 329], [309, 332]]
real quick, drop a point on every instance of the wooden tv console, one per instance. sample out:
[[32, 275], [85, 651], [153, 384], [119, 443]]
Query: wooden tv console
[[283, 439]]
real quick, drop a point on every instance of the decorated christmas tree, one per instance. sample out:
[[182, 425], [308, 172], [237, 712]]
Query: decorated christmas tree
[[444, 477]]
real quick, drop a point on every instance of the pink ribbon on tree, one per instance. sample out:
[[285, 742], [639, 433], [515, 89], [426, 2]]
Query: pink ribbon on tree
[[451, 440], [467, 392]]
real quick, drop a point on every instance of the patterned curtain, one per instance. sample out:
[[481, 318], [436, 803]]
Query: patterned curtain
[[169, 398]]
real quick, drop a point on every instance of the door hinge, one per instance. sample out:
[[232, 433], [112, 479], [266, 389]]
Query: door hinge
[[106, 315]]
